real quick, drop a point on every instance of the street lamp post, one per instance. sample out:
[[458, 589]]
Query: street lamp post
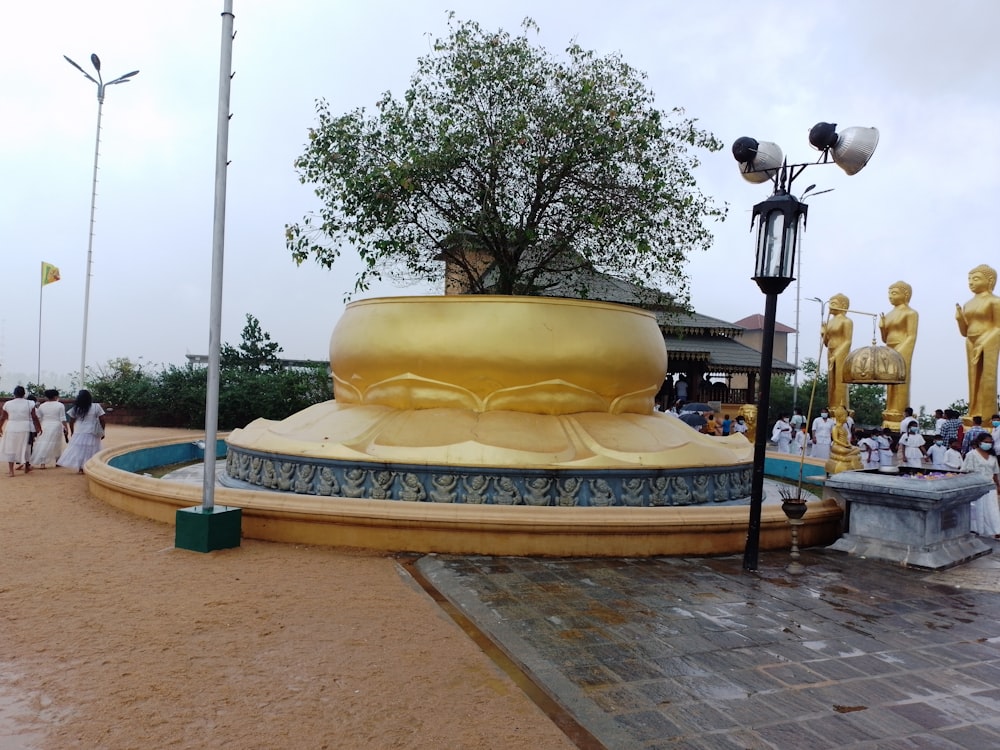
[[101, 85], [780, 223]]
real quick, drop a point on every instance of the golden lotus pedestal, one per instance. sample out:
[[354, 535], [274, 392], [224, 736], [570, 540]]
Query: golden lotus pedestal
[[493, 401]]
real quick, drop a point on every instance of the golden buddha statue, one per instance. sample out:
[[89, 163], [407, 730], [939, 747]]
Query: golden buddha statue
[[838, 334], [899, 332], [979, 323], [843, 455]]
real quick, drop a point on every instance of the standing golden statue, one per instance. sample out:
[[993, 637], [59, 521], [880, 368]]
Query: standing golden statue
[[979, 322], [899, 332], [838, 334]]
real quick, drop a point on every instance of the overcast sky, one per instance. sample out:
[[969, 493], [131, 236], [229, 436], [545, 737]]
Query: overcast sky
[[924, 210]]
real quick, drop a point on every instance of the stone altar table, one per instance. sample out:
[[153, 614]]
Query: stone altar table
[[917, 518]]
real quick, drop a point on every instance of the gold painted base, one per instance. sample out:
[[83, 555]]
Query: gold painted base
[[847, 463], [459, 437], [891, 419], [464, 529]]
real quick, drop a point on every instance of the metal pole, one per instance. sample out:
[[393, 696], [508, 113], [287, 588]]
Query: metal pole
[[101, 85], [798, 301], [752, 551], [218, 245], [90, 239], [41, 286], [812, 392]]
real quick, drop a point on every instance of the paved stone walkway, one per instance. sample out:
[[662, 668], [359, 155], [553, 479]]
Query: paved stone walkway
[[696, 653]]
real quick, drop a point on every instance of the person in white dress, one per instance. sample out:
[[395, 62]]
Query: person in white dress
[[912, 443], [781, 435], [868, 445], [86, 426], [800, 442], [985, 511], [822, 435], [16, 420], [52, 414], [885, 451]]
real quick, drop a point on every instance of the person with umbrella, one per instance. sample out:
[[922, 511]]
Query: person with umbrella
[[693, 419]]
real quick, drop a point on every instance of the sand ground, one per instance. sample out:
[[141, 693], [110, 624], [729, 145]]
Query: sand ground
[[111, 638]]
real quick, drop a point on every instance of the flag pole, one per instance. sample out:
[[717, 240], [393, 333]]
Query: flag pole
[[209, 526], [41, 286]]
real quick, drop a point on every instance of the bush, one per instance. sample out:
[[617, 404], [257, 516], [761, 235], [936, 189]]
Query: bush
[[253, 383]]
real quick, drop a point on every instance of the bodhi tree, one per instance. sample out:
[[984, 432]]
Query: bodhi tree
[[511, 165]]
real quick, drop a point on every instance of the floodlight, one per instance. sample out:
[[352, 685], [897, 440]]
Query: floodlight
[[854, 148], [758, 159], [850, 149]]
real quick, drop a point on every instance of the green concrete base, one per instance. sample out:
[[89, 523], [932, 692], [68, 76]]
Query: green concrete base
[[203, 530]]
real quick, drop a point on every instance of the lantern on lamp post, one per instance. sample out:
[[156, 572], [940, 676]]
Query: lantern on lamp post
[[781, 220]]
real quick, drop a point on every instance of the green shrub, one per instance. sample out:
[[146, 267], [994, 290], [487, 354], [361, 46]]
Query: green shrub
[[253, 383]]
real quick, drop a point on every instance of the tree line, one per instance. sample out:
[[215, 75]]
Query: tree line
[[253, 382]]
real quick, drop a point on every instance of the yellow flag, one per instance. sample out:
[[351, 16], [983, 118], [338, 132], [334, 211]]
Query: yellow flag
[[49, 273]]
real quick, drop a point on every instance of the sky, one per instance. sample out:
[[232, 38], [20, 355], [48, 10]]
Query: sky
[[922, 211]]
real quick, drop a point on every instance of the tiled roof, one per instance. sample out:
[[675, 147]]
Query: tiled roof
[[719, 354], [696, 324], [756, 323]]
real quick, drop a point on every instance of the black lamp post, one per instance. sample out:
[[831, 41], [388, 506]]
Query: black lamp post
[[781, 220]]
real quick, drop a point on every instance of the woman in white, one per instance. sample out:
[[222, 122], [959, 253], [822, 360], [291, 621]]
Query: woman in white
[[985, 511], [822, 435], [16, 419], [52, 415], [86, 428]]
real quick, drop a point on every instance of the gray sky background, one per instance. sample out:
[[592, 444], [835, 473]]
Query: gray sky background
[[924, 210]]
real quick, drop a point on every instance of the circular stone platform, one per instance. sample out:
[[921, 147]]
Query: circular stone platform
[[458, 528]]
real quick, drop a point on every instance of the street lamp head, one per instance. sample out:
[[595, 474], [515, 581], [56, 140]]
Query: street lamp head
[[96, 62], [759, 160], [782, 221], [85, 73], [850, 149], [123, 79]]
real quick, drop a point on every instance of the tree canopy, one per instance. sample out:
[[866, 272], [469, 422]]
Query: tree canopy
[[867, 401], [509, 163]]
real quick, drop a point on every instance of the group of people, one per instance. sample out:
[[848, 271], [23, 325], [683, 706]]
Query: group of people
[[34, 434], [793, 435], [713, 425]]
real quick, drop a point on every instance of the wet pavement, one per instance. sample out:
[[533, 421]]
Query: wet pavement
[[696, 653]]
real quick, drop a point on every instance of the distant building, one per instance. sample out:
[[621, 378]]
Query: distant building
[[753, 325], [202, 359], [753, 336]]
